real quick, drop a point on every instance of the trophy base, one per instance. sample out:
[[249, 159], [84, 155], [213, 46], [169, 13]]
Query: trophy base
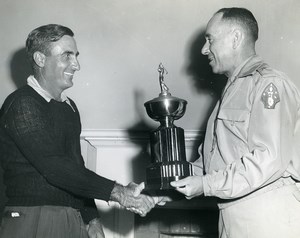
[[160, 175]]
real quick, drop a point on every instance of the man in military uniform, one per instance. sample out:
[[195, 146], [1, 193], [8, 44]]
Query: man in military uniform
[[248, 158]]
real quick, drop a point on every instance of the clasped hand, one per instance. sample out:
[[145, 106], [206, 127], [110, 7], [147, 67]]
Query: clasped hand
[[142, 203], [136, 202], [133, 200]]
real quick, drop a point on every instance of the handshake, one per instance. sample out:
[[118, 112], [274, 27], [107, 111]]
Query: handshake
[[132, 199]]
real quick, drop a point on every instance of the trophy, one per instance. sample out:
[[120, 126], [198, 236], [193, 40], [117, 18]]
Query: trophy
[[168, 157]]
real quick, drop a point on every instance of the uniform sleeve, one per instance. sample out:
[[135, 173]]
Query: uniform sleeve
[[28, 124], [269, 137], [198, 164]]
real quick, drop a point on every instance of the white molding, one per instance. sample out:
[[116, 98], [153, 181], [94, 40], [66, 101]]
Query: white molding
[[122, 133], [122, 137]]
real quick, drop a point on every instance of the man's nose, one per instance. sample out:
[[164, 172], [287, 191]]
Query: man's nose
[[205, 49], [75, 64]]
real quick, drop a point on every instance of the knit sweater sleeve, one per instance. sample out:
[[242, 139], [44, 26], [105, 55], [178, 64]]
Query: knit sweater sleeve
[[89, 211], [27, 122]]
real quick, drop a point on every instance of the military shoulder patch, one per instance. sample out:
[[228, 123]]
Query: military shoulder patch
[[270, 96]]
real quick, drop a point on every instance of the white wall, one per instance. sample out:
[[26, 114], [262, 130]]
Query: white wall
[[121, 43]]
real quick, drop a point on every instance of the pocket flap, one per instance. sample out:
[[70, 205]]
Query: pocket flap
[[233, 114]]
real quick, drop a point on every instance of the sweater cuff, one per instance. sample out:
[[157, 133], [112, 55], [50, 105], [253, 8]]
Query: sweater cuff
[[89, 211]]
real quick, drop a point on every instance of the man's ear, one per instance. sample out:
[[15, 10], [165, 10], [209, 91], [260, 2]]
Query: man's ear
[[237, 38], [39, 58]]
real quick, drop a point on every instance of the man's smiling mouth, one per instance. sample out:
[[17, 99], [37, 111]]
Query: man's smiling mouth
[[69, 74], [210, 59]]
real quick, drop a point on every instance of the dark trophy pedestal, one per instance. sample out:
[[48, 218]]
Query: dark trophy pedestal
[[168, 157]]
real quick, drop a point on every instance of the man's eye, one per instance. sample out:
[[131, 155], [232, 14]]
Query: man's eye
[[208, 40], [67, 56]]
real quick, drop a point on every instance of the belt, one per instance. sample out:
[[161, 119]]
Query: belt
[[224, 203]]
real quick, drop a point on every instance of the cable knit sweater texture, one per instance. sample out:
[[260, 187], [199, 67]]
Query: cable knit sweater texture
[[41, 157]]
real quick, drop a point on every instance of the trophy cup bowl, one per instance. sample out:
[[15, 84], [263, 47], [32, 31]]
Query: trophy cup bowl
[[168, 157], [165, 108]]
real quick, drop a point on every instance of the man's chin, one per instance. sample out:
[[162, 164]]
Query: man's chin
[[215, 70], [213, 67], [69, 84]]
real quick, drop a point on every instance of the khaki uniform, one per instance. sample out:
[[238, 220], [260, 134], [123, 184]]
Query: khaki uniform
[[250, 146]]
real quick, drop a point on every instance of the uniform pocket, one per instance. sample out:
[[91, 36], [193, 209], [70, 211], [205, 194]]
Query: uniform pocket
[[237, 115], [235, 122]]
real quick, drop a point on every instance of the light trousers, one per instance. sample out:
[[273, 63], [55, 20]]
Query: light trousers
[[274, 214]]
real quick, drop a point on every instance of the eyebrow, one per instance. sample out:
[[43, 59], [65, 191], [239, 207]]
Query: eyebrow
[[71, 52]]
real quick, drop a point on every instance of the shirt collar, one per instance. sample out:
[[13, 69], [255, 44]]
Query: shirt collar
[[251, 65], [32, 82], [248, 67]]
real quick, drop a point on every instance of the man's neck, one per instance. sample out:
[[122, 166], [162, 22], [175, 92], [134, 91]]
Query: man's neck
[[240, 60], [47, 87]]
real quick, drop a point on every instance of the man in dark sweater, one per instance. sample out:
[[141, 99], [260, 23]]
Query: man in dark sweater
[[50, 192]]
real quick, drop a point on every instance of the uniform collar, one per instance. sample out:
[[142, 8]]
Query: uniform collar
[[250, 66]]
